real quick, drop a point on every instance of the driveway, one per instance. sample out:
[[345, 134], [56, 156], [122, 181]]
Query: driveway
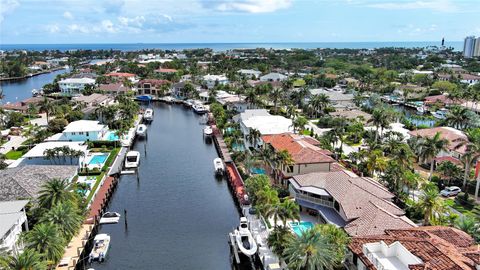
[[14, 142]]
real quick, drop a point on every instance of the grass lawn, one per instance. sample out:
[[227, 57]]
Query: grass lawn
[[94, 188], [13, 155], [451, 202]]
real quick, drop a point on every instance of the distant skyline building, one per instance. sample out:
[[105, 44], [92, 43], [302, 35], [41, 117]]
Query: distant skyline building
[[469, 47], [476, 50]]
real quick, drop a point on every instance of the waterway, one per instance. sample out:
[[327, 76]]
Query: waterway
[[19, 90], [178, 213]]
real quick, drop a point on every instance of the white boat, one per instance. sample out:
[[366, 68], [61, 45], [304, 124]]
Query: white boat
[[169, 99], [188, 103], [132, 159], [208, 131], [109, 218], [148, 115], [440, 114], [244, 239], [141, 130], [219, 167], [421, 110], [199, 108], [100, 247]]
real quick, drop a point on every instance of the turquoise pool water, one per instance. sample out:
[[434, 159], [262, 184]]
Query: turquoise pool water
[[238, 147], [112, 137], [257, 170], [98, 159], [300, 227]]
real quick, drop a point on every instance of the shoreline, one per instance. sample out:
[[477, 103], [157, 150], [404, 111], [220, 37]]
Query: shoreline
[[30, 75]]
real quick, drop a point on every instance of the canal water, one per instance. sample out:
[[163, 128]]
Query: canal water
[[178, 213], [19, 90]]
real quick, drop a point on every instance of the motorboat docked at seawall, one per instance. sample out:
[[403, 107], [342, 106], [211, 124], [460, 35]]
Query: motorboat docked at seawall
[[440, 114], [208, 131], [100, 247], [199, 108], [141, 130], [36, 93], [132, 160], [244, 239], [219, 167], [109, 218], [421, 110], [188, 103], [148, 115], [146, 98]]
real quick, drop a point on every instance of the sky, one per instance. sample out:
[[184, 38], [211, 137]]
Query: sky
[[211, 21]]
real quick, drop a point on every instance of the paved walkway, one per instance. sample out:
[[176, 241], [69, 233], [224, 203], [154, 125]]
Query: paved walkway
[[42, 121], [75, 248], [14, 142]]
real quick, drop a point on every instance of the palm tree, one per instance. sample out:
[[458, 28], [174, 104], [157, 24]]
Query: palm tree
[[376, 162], [469, 225], [472, 153], [457, 117], [47, 106], [67, 216], [314, 249], [430, 147], [255, 184], [430, 202], [299, 123], [46, 239], [289, 210], [380, 120], [53, 192], [266, 198], [279, 239], [253, 137], [29, 259], [283, 159], [319, 103], [275, 95]]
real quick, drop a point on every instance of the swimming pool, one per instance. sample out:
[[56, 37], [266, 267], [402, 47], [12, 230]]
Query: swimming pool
[[238, 147], [98, 159], [112, 137], [300, 227], [257, 170]]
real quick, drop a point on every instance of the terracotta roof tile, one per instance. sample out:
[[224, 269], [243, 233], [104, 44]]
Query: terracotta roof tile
[[447, 133]]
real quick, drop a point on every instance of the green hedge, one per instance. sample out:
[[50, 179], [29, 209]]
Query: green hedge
[[102, 144]]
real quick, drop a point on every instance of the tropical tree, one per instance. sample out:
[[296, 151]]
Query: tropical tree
[[279, 239], [375, 162], [289, 210], [457, 117], [266, 198], [255, 184], [46, 239], [318, 104], [275, 95], [47, 106], [430, 147], [449, 170], [469, 225], [53, 192], [316, 248], [29, 259], [253, 136], [283, 159], [472, 153], [67, 216], [299, 123], [430, 203]]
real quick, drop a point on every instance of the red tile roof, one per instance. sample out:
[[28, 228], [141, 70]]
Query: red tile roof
[[120, 74], [447, 133], [165, 70], [153, 82], [439, 247], [303, 149], [113, 87]]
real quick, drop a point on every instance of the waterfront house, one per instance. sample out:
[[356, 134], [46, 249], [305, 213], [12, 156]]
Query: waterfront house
[[38, 155], [94, 100], [178, 89], [114, 89], [250, 73], [23, 105], [166, 71], [360, 205], [273, 77], [440, 100], [452, 135], [469, 78], [305, 151], [264, 122], [233, 102], [13, 221], [151, 86], [338, 99], [212, 80], [120, 76], [74, 86], [81, 131], [429, 247], [25, 182]]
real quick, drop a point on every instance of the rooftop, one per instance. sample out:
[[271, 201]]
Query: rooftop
[[437, 247], [303, 149], [448, 133], [365, 203], [25, 181], [39, 149], [7, 207], [78, 81], [84, 126]]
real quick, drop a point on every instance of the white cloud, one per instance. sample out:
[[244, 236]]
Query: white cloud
[[108, 26], [439, 5], [136, 21], [168, 17], [7, 6], [254, 6], [76, 28], [53, 28], [68, 15]]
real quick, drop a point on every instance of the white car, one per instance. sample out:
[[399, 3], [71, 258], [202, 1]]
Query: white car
[[450, 191]]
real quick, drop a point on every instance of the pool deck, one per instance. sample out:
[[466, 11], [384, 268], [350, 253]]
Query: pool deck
[[259, 231]]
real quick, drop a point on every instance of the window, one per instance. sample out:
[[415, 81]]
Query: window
[[336, 205], [73, 133], [80, 133], [87, 134], [289, 168]]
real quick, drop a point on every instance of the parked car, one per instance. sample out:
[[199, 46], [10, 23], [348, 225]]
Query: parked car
[[450, 191]]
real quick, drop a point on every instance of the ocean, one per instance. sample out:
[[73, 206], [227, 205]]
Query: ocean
[[457, 45]]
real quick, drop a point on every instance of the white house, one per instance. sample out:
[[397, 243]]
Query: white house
[[250, 73], [264, 122], [38, 154], [13, 220], [273, 77], [81, 131], [212, 80], [74, 86]]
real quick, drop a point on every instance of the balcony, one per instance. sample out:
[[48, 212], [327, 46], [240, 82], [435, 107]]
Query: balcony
[[314, 200]]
